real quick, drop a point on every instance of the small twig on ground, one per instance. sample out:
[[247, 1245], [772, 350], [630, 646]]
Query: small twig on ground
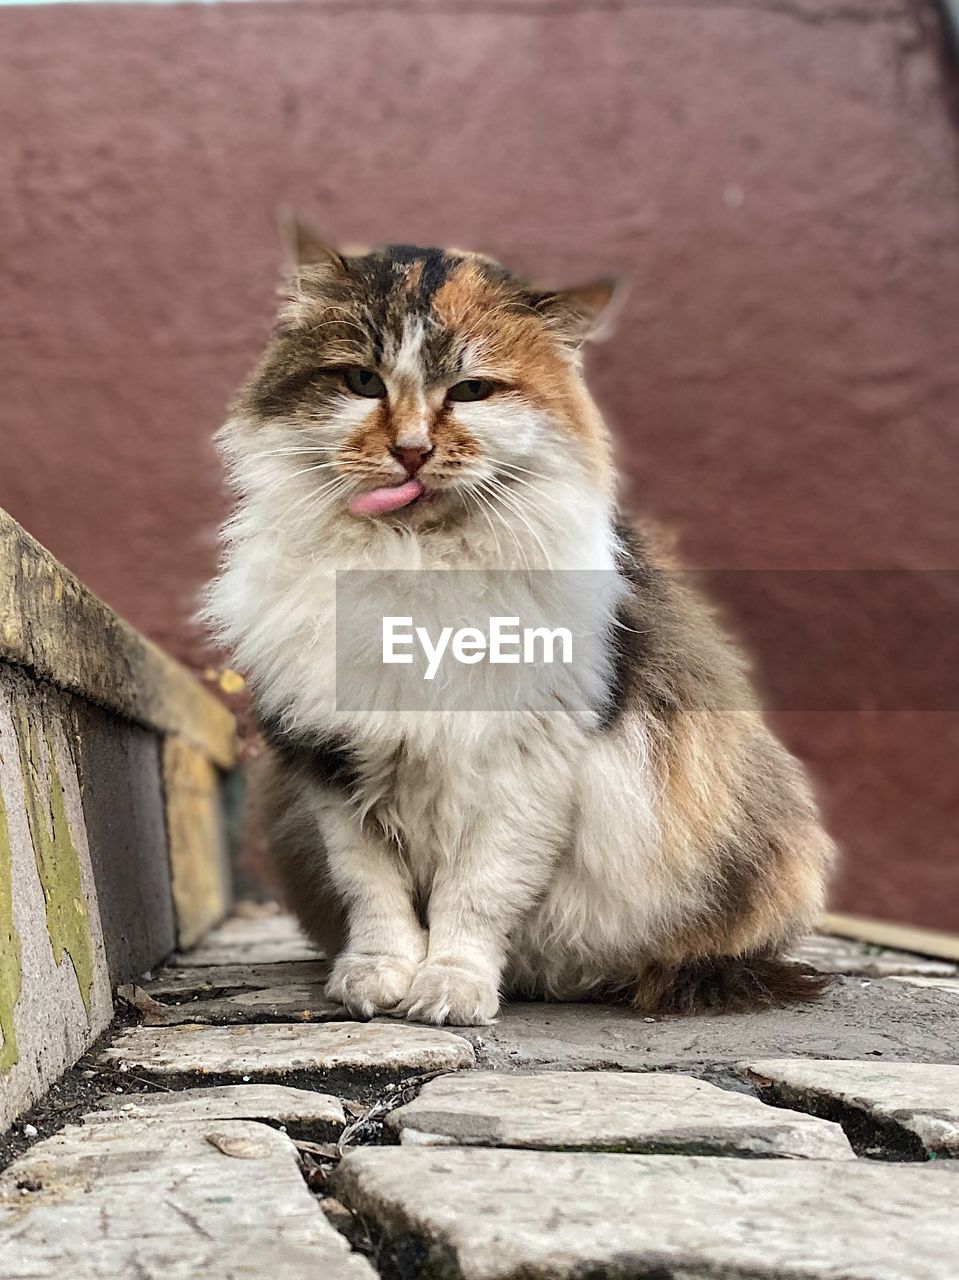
[[396, 1095]]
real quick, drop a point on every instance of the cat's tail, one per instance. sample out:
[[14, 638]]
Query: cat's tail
[[726, 984]]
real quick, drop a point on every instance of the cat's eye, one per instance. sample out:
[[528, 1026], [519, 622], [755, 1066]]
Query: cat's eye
[[364, 382], [472, 389]]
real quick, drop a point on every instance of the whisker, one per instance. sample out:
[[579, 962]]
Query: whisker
[[507, 499], [482, 510], [320, 466], [508, 527], [548, 497], [521, 501], [329, 489], [295, 450], [514, 466], [331, 496]]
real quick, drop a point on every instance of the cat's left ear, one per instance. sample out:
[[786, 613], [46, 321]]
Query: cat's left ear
[[585, 313]]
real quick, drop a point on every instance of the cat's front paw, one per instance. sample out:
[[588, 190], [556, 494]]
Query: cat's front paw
[[367, 985], [450, 993]]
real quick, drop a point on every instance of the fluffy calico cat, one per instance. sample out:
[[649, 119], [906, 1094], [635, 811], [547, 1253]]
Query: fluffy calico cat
[[419, 409]]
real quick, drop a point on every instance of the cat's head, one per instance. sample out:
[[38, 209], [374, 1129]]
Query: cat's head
[[419, 386]]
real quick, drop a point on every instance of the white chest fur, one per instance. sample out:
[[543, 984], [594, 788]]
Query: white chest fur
[[275, 606]]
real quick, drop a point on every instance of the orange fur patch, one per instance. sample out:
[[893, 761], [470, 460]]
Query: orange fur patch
[[518, 349], [414, 275], [752, 868]]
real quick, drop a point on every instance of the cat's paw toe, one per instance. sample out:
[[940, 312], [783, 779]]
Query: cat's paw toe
[[445, 993], [368, 985]]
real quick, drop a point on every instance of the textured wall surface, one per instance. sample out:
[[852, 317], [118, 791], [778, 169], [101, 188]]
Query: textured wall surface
[[91, 861], [55, 994], [778, 182]]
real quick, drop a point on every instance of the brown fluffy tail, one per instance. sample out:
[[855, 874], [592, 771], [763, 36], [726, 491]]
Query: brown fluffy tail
[[726, 984]]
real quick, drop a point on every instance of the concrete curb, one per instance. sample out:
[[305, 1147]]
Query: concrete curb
[[52, 625], [112, 831]]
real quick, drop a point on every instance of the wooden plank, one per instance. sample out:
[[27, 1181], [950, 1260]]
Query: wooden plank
[[883, 933], [199, 865]]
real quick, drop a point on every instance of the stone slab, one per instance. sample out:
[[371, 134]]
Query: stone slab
[[300, 1109], [859, 959], [53, 625], [295, 1003], [272, 1051], [887, 1019], [55, 994], [266, 952], [613, 1111], [268, 940], [123, 809], [155, 1200], [206, 981], [920, 1098], [939, 984], [495, 1215]]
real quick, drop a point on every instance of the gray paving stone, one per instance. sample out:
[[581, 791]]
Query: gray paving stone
[[919, 1098], [298, 1109], [153, 1200], [265, 940], [294, 1003], [255, 924], [495, 1215], [939, 984], [890, 1019], [276, 1050], [858, 959], [205, 981], [618, 1111], [269, 951]]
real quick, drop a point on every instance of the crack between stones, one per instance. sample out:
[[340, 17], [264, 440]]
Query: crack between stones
[[877, 1138], [363, 1084], [368, 1130]]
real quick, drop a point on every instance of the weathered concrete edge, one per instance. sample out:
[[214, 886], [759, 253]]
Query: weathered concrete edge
[[56, 993], [54, 626], [884, 933]]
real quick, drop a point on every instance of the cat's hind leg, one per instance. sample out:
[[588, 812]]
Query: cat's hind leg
[[740, 829]]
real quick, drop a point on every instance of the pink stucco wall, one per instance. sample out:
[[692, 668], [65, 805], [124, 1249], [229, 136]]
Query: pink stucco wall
[[778, 181]]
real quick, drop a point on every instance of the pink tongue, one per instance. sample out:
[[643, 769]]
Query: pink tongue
[[391, 498]]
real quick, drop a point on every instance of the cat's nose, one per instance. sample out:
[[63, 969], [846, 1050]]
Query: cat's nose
[[412, 459]]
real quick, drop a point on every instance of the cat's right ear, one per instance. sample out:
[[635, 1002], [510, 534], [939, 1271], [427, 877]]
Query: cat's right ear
[[303, 247], [310, 264]]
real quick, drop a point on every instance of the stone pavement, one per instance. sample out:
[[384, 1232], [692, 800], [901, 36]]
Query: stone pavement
[[238, 1126]]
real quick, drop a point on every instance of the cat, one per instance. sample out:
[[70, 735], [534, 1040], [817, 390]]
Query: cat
[[649, 840]]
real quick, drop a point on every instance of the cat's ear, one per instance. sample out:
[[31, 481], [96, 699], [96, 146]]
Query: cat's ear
[[584, 313], [303, 247], [311, 266]]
